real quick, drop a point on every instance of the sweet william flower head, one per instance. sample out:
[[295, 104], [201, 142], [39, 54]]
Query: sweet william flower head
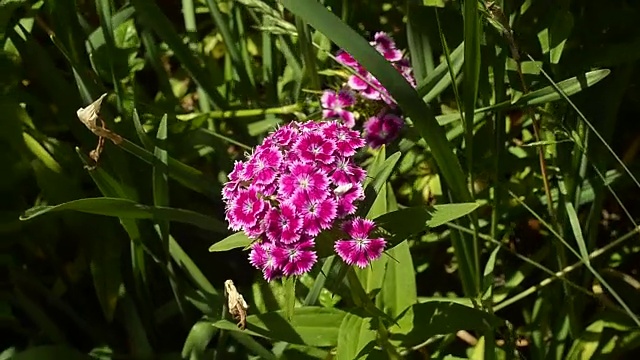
[[300, 181]]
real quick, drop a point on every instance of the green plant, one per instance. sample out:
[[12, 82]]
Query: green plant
[[506, 182]]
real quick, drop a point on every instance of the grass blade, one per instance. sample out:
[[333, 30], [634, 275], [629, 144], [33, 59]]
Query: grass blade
[[128, 209]]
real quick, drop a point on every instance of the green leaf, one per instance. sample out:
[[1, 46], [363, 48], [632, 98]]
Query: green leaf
[[553, 38], [584, 348], [380, 171], [184, 174], [106, 257], [289, 285], [399, 287], [577, 231], [199, 337], [142, 135], [569, 86], [128, 209], [408, 221], [159, 175], [51, 352], [356, 337], [372, 276], [310, 325], [231, 46], [237, 240], [424, 320], [436, 3], [439, 80], [488, 277], [545, 95]]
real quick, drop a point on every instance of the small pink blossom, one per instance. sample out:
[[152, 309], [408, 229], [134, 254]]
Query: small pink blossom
[[263, 167], [314, 148], [347, 141], [334, 106], [359, 250], [317, 214], [347, 173], [345, 58], [284, 224], [346, 201], [386, 46], [382, 129], [303, 178], [295, 259], [244, 210]]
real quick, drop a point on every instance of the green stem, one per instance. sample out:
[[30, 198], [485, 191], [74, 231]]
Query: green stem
[[229, 114]]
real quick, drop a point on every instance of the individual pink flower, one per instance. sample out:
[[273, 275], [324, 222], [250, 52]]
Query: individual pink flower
[[334, 104], [406, 70], [347, 141], [284, 224], [345, 58], [262, 257], [295, 259], [314, 148], [283, 137], [303, 178], [256, 230], [264, 165], [386, 46], [244, 210], [236, 177], [346, 199], [347, 173], [382, 129], [317, 214], [359, 250]]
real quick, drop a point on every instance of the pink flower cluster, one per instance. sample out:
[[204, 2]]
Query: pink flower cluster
[[385, 126], [300, 181]]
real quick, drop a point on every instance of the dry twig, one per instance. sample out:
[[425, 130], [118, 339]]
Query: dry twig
[[237, 306], [89, 117]]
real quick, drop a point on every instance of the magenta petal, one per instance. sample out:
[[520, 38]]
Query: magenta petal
[[295, 259], [348, 118], [246, 207], [356, 83], [283, 225], [345, 99], [345, 58], [260, 254], [375, 248], [328, 99]]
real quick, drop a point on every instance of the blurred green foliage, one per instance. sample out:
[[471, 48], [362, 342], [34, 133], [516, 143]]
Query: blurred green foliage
[[534, 259]]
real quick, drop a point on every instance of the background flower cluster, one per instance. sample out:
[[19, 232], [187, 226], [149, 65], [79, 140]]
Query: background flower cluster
[[383, 127]]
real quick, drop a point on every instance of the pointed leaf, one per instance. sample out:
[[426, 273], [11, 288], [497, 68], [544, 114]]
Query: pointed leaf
[[408, 221], [310, 325], [237, 240], [356, 337], [124, 208], [421, 321], [399, 288]]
